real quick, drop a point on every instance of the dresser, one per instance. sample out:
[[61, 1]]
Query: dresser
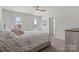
[[72, 40]]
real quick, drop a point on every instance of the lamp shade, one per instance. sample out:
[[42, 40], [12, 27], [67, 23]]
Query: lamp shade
[[35, 22]]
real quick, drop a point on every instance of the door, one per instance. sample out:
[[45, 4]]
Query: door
[[52, 26]]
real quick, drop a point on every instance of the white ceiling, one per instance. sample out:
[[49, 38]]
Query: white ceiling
[[50, 9], [31, 9], [26, 9]]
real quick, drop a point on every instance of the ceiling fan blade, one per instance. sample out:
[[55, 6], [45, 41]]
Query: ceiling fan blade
[[42, 10], [37, 8]]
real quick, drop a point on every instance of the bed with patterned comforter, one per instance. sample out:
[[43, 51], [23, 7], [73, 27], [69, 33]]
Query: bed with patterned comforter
[[30, 41]]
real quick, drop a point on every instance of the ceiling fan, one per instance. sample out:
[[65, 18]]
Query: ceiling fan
[[38, 9]]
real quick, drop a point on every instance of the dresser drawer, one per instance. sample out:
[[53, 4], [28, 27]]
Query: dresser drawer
[[71, 41], [70, 48]]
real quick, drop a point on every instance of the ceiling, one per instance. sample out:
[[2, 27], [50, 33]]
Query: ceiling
[[32, 10], [50, 9], [25, 9]]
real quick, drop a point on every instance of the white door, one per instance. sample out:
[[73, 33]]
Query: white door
[[52, 26]]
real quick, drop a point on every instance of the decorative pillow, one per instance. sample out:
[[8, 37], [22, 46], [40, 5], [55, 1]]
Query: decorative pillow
[[21, 32], [16, 31]]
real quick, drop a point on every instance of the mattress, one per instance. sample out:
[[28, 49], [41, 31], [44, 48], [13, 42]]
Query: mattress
[[29, 41]]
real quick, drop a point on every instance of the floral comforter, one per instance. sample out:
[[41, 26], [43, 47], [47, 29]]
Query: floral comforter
[[26, 42]]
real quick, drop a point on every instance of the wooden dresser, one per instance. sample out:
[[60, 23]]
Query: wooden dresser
[[72, 40]]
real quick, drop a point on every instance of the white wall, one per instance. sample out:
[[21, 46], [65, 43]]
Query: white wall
[[27, 20], [0, 13], [65, 18], [1, 22], [68, 17]]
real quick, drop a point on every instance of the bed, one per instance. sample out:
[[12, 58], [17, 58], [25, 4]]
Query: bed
[[30, 41]]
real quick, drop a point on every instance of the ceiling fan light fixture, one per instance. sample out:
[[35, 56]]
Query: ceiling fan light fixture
[[37, 11]]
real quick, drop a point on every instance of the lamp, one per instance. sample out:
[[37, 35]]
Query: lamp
[[35, 24]]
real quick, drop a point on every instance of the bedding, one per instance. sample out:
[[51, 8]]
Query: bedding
[[17, 30], [29, 41]]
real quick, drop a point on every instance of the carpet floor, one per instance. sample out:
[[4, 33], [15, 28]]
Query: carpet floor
[[57, 45]]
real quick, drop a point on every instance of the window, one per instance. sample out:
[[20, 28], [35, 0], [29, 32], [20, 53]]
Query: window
[[18, 20]]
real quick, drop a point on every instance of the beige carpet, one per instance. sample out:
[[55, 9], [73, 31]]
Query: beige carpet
[[57, 45]]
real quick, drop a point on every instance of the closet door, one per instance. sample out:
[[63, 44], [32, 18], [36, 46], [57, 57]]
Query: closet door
[[51, 26]]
